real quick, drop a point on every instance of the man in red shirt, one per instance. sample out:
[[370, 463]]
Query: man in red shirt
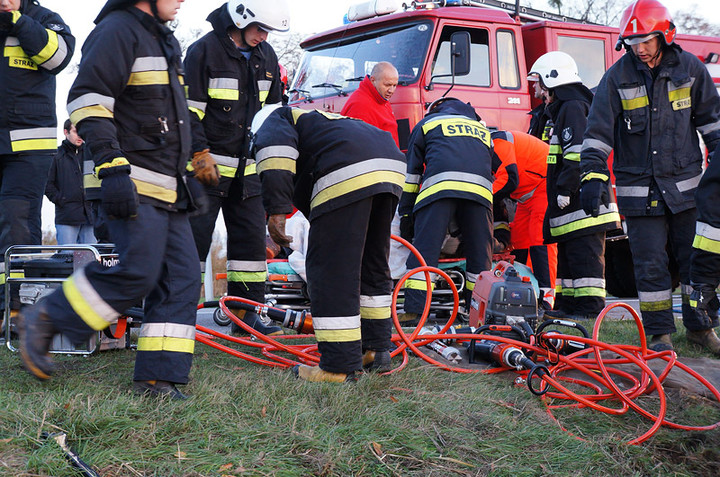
[[370, 102]]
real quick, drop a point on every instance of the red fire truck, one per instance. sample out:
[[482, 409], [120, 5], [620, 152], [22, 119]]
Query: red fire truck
[[480, 49]]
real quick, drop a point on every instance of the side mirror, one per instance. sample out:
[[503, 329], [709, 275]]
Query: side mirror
[[460, 53]]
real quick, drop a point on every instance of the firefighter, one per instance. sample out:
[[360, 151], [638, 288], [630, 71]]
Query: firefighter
[[231, 73], [345, 176], [647, 109], [580, 283], [128, 102], [528, 155], [450, 175], [539, 114], [37, 45]]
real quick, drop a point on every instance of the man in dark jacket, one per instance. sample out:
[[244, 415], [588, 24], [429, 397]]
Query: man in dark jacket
[[65, 189], [648, 108], [346, 177], [231, 73], [128, 102], [37, 45]]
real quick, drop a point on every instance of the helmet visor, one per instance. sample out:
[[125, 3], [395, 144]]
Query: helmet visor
[[636, 40]]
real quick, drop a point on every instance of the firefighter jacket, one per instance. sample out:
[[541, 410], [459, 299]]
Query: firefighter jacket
[[128, 103], [35, 49], [705, 265], [367, 105], [449, 155], [322, 161], [225, 90], [65, 188], [568, 114], [528, 155], [651, 124], [538, 122]]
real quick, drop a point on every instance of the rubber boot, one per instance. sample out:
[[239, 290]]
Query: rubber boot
[[158, 389], [377, 361], [316, 375], [661, 343], [708, 339], [408, 319], [253, 320], [36, 332]]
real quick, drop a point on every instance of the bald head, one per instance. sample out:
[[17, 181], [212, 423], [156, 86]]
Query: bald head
[[384, 77]]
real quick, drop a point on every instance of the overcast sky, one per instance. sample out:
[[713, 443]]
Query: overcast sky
[[306, 17]]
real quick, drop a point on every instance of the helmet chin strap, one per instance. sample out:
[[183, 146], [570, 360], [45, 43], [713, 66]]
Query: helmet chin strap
[[156, 13]]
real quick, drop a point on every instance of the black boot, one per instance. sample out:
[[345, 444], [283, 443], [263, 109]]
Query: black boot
[[253, 320], [377, 361], [158, 389], [36, 332]]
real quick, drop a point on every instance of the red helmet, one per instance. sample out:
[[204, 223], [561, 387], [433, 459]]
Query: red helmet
[[643, 19]]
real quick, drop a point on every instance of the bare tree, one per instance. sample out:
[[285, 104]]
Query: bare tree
[[692, 23], [287, 48]]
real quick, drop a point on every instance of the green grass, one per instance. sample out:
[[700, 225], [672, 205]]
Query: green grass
[[244, 419]]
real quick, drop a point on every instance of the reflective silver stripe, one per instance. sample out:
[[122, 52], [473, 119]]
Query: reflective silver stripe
[[686, 289], [689, 184], [687, 84], [527, 196], [12, 41], [577, 148], [202, 267], [91, 99], [566, 283], [167, 330], [149, 63], [580, 214], [632, 191], [336, 322], [246, 266], [458, 176], [632, 93], [506, 135], [223, 83], [413, 178], [554, 140], [197, 105], [588, 282], [379, 301], [264, 85], [277, 151], [421, 276], [34, 133], [2, 267], [59, 56], [355, 170], [152, 177], [708, 128], [655, 296], [226, 161], [596, 144], [92, 298], [707, 231], [471, 277], [88, 167]]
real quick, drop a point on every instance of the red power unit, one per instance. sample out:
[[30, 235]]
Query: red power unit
[[502, 297]]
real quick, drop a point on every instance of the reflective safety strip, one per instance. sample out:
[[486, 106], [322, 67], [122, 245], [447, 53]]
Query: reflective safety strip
[[149, 70], [572, 153], [689, 184], [633, 98], [470, 279], [90, 180], [579, 220], [154, 184], [246, 271], [412, 183], [527, 196], [264, 90], [501, 226], [707, 238], [227, 165], [54, 53], [590, 286], [337, 328], [632, 191], [34, 139], [685, 291], [419, 284], [223, 88], [595, 175], [375, 307], [91, 105], [558, 286], [197, 107], [708, 128], [679, 96], [166, 337], [87, 302], [460, 181], [355, 177], [250, 167], [596, 144], [655, 301], [276, 158], [459, 126]]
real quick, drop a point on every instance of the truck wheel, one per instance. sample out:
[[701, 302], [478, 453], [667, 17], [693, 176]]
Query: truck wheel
[[619, 271]]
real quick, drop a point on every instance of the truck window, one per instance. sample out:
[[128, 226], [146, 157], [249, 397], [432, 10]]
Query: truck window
[[589, 54], [508, 72], [338, 66], [479, 61]]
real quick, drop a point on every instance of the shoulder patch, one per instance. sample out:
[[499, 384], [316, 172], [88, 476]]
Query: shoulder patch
[[567, 134], [56, 27]]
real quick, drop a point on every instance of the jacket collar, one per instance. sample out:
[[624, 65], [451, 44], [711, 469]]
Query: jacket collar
[[221, 22], [367, 86]]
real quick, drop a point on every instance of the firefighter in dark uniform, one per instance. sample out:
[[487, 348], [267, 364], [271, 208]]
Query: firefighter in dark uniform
[[129, 104], [231, 73], [37, 45], [647, 109], [450, 175], [580, 237], [346, 177]]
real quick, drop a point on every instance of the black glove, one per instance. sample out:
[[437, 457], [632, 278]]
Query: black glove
[[705, 304], [118, 194], [593, 193], [6, 21], [199, 202], [407, 226]]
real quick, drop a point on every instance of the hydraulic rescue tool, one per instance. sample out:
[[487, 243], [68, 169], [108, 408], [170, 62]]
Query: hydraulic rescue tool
[[450, 353], [298, 320]]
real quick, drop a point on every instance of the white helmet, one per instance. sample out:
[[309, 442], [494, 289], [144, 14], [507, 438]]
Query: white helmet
[[271, 15], [553, 69], [261, 116]]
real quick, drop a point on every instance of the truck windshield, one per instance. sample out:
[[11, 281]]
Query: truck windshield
[[338, 67]]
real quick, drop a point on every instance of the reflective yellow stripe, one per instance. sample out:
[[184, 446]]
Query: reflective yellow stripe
[[411, 188], [470, 285], [573, 156], [90, 181], [263, 97], [155, 191], [595, 175], [164, 343], [635, 103], [678, 94], [585, 223], [246, 276], [455, 186], [378, 313], [14, 52], [229, 94], [147, 78], [656, 305], [250, 169], [97, 111], [356, 183], [226, 171], [338, 336], [276, 164], [81, 306], [200, 114], [118, 161], [49, 50], [34, 145], [707, 244], [589, 291], [413, 284]]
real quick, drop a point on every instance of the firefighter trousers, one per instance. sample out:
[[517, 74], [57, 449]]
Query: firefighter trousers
[[475, 222], [349, 281], [245, 223], [651, 240], [156, 257], [581, 275]]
